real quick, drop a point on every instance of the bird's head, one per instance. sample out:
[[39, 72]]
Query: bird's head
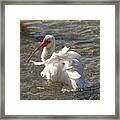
[[48, 41]]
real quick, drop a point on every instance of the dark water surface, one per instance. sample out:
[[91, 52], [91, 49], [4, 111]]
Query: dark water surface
[[82, 37]]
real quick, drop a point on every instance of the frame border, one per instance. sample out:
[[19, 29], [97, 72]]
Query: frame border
[[69, 2]]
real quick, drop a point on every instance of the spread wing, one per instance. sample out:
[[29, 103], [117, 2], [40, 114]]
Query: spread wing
[[64, 66]]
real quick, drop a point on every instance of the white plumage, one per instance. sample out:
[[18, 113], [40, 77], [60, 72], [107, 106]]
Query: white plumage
[[63, 66]]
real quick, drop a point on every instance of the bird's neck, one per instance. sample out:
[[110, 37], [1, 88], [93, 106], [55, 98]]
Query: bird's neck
[[46, 53]]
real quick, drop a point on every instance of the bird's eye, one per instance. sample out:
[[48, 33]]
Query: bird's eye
[[46, 40]]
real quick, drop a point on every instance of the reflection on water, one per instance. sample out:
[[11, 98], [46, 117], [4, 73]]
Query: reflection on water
[[82, 37]]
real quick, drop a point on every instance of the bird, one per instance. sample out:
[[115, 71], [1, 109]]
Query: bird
[[63, 66]]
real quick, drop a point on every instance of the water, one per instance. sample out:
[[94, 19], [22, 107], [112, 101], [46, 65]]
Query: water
[[82, 37]]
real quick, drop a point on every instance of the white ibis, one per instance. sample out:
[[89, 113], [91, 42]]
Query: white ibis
[[63, 66]]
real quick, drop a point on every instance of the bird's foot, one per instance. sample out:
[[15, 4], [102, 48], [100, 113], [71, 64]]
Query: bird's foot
[[67, 90], [36, 63]]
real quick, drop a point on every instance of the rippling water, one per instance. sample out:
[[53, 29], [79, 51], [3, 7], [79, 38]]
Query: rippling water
[[82, 37]]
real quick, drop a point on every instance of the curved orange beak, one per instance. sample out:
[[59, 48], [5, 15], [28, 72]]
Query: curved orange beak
[[40, 47]]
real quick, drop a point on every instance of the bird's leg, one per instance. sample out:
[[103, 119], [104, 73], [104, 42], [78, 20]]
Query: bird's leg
[[66, 88], [48, 82]]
